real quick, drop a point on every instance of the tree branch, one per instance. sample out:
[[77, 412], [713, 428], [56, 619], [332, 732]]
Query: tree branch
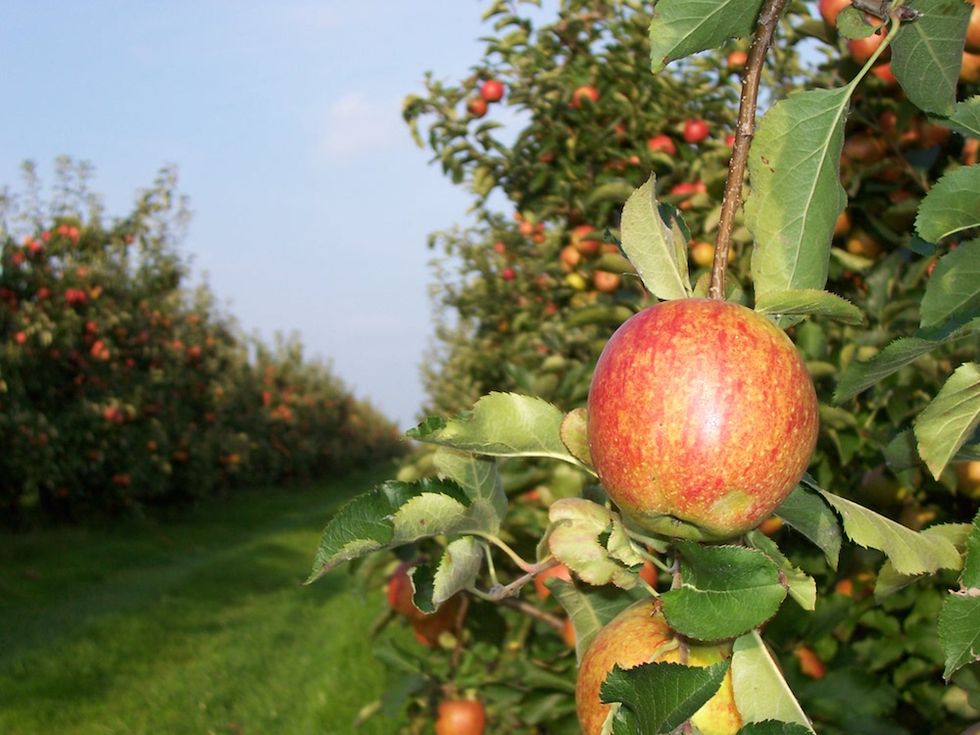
[[766, 28], [526, 608]]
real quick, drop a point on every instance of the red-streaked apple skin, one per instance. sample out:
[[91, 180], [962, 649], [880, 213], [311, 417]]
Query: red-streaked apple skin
[[703, 411], [640, 635]]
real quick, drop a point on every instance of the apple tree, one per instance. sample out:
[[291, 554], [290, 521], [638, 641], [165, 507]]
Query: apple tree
[[726, 565]]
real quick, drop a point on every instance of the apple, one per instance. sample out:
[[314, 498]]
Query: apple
[[477, 107], [20, 338], [560, 571], [695, 130], [737, 60], [861, 49], [662, 143], [843, 224], [400, 592], [582, 241], [968, 478], [492, 90], [701, 418], [973, 30], [508, 274], [970, 68], [830, 9], [583, 93], [730, 140], [640, 635], [499, 248], [569, 257], [428, 628], [702, 253], [461, 717], [861, 243], [884, 73], [605, 281], [568, 633], [810, 663]]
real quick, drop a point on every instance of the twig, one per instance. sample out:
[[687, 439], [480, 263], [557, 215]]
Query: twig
[[458, 649], [745, 129], [526, 608]]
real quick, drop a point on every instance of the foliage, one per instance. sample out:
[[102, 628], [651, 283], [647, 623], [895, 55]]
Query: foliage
[[122, 387]]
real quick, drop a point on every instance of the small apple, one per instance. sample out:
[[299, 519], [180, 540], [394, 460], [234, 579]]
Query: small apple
[[843, 224], [861, 49], [861, 243], [508, 274], [702, 253], [662, 143], [973, 30], [605, 281], [560, 572], [737, 60], [810, 663], [830, 9], [499, 248], [583, 93], [584, 241], [492, 90], [968, 479], [695, 130], [461, 717], [702, 418], [400, 592], [640, 635], [884, 73], [477, 107], [569, 257], [730, 140], [970, 68]]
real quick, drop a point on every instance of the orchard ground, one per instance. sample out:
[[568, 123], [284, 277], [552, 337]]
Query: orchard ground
[[197, 625]]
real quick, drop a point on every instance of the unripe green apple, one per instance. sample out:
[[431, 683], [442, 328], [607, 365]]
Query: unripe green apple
[[640, 635], [701, 418]]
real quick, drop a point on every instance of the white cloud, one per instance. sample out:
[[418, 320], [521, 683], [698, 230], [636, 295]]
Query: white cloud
[[356, 124]]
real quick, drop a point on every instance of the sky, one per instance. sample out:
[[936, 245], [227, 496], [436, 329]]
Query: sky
[[311, 204]]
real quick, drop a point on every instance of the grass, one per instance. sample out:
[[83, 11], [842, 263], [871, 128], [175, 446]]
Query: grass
[[196, 625]]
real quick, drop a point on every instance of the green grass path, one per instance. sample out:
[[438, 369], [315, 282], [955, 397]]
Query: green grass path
[[199, 625]]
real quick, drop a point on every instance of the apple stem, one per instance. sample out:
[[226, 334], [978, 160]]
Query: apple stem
[[514, 556], [744, 131]]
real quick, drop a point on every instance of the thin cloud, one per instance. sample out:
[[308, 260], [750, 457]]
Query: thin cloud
[[356, 125]]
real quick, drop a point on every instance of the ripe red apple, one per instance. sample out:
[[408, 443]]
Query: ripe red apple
[[695, 130], [884, 73], [499, 248], [830, 9], [605, 281], [861, 49], [583, 93], [477, 107], [461, 717], [400, 593], [583, 240], [508, 274], [640, 635], [492, 90], [730, 140], [569, 257], [662, 143], [702, 418]]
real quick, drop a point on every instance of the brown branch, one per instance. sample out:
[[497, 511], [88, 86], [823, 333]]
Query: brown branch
[[768, 18], [458, 648], [526, 608]]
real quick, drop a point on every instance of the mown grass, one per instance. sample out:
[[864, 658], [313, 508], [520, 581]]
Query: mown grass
[[196, 625]]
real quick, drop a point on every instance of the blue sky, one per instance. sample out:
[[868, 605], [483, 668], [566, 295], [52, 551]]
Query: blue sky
[[311, 203]]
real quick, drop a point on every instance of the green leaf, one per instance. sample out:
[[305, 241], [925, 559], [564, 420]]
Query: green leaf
[[966, 118], [574, 434], [480, 480], [951, 205], [926, 54], [660, 697], [501, 425], [796, 195], [950, 419], [650, 245], [591, 541], [909, 551], [806, 512], [726, 591], [852, 24], [761, 692], [683, 27], [862, 375], [954, 287], [959, 620], [774, 727], [802, 586], [456, 571], [807, 302], [890, 581], [591, 608], [392, 514]]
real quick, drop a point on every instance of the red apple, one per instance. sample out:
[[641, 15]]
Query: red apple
[[884, 73], [737, 60], [970, 68], [492, 90], [730, 140], [605, 281], [569, 257], [584, 241], [400, 592], [583, 93], [830, 9], [508, 274], [861, 49], [662, 143], [477, 107], [640, 635], [499, 248], [701, 418], [461, 717], [695, 130]]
